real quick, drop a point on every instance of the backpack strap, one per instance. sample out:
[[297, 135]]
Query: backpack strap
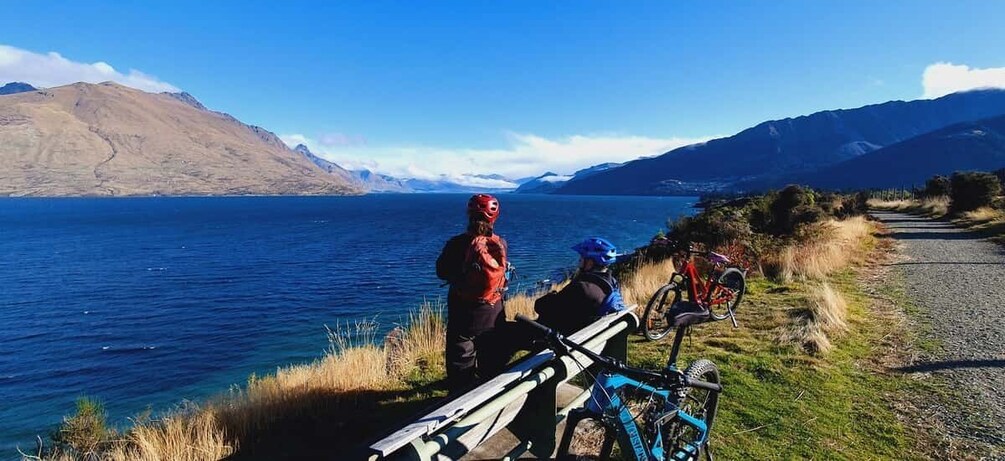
[[603, 279]]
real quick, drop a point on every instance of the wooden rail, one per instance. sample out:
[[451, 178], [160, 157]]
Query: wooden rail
[[523, 399]]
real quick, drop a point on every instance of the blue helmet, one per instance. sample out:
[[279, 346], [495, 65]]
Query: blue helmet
[[598, 250]]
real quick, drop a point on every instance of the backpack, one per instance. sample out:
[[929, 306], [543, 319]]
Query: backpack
[[485, 269], [613, 302]]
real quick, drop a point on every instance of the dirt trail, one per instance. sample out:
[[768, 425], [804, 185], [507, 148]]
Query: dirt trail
[[957, 282]]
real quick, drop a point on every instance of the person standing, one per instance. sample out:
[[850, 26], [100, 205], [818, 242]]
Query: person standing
[[474, 265]]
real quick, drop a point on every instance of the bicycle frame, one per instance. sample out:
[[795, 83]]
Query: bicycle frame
[[699, 290], [606, 406]]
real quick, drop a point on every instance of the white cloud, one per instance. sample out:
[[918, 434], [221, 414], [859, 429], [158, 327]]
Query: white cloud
[[944, 78], [51, 69], [523, 155]]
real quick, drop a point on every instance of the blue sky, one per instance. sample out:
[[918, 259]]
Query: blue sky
[[518, 87]]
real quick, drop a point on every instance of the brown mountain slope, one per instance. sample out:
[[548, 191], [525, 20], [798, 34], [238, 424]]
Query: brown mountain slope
[[110, 140]]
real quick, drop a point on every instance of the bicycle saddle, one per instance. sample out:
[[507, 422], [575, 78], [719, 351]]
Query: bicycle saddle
[[684, 313], [717, 258]]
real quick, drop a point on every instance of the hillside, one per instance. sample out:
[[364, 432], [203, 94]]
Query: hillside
[[781, 148], [110, 140], [970, 146]]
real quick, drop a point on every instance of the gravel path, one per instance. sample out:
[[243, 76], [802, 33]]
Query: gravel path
[[957, 281]]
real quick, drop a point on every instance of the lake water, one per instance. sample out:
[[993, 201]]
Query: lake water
[[145, 302]]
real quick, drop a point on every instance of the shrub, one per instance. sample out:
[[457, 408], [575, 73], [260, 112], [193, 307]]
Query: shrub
[[793, 207], [972, 190], [936, 186], [1000, 174], [853, 205], [84, 431], [714, 227]]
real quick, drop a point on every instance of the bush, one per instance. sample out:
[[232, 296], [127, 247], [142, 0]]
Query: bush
[[793, 207], [714, 227], [84, 431], [853, 205], [972, 190], [936, 186]]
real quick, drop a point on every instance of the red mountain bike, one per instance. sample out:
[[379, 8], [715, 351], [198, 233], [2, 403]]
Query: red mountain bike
[[688, 299]]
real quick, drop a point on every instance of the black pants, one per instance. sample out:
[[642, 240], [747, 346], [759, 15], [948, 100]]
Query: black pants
[[471, 353]]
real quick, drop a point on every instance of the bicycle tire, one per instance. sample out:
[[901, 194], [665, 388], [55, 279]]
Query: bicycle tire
[[731, 279], [656, 312], [699, 403]]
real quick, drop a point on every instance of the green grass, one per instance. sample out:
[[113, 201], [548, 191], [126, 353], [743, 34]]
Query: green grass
[[782, 403]]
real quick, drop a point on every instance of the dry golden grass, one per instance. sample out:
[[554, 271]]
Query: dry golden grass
[[825, 319], [645, 280], [184, 438], [838, 244], [931, 206], [983, 216]]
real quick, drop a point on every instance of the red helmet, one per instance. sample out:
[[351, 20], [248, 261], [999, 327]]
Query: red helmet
[[485, 205]]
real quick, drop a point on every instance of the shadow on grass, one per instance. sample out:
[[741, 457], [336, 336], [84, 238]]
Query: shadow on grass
[[952, 365], [335, 426]]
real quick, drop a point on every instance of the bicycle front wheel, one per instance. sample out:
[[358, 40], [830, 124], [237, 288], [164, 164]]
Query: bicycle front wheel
[[726, 296], [655, 322], [683, 440]]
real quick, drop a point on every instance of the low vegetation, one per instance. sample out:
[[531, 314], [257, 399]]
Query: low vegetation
[[796, 385], [969, 199]]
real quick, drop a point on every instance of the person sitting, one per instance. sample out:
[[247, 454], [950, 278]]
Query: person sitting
[[592, 293]]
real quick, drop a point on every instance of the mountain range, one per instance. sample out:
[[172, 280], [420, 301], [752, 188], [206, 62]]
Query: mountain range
[[107, 139], [550, 182], [968, 146], [773, 153], [375, 182], [110, 140]]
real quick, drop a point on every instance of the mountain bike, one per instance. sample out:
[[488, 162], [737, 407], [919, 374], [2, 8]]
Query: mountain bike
[[693, 299], [652, 415]]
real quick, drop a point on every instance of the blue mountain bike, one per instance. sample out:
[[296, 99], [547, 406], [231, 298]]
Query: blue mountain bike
[[652, 415]]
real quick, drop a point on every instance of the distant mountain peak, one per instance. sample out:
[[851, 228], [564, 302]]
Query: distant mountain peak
[[187, 99], [16, 87], [303, 149]]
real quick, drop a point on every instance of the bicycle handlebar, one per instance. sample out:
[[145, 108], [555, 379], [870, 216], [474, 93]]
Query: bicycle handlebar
[[561, 344]]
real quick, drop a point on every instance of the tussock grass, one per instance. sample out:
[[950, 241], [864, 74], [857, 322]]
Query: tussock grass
[[982, 216], [836, 245], [985, 221], [184, 438], [935, 207], [825, 319], [644, 280]]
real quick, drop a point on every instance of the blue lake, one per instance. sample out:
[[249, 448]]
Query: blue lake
[[147, 302]]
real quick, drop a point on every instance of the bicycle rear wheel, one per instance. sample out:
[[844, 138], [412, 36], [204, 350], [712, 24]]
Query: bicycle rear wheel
[[730, 287], [700, 404], [655, 322]]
